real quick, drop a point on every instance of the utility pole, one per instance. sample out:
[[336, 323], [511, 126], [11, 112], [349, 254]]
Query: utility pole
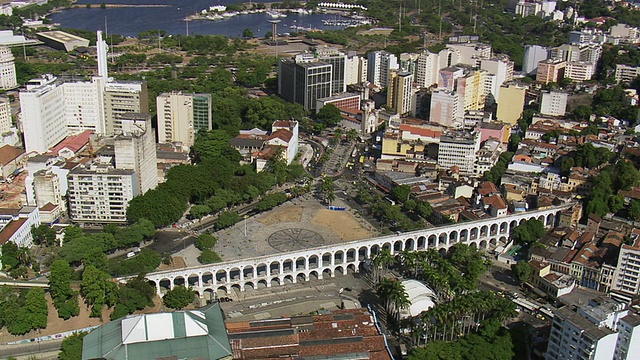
[[440, 16]]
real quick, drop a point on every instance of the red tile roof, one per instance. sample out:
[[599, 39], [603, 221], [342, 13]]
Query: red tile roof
[[420, 131], [73, 143], [284, 135], [9, 153], [10, 229]]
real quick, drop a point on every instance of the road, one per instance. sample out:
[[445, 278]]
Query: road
[[42, 350]]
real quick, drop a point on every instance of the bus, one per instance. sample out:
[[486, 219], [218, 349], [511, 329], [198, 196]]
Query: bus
[[546, 313], [528, 306]]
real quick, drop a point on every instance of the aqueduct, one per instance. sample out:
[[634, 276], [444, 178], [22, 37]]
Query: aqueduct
[[320, 262]]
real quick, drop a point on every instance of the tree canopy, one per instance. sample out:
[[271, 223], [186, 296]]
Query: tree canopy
[[178, 298]]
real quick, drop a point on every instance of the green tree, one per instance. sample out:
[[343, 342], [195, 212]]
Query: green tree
[[71, 347], [246, 33], [64, 298], [528, 232], [34, 311], [226, 219], [329, 115], [96, 257], [634, 210], [522, 271], [199, 211], [401, 193], [44, 235], [178, 298], [208, 256], [97, 289], [616, 203], [205, 241]]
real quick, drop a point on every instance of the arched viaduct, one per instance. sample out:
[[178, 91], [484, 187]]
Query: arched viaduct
[[327, 261]]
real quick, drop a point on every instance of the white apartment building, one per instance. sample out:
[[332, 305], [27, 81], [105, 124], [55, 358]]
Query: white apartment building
[[602, 329], [8, 78], [135, 149], [16, 225], [100, 194], [181, 116], [44, 164], [459, 149], [83, 106], [553, 103], [579, 70], [470, 53], [380, 63], [533, 54], [427, 69], [502, 71], [355, 69], [5, 115], [47, 188], [42, 107], [626, 73], [625, 32], [445, 108], [626, 280]]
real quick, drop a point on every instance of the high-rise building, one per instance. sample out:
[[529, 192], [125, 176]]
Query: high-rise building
[[380, 64], [135, 148], [5, 115], [120, 98], [181, 116], [502, 70], [533, 54], [83, 106], [470, 53], [400, 94], [100, 193], [304, 82], [355, 69], [579, 70], [445, 108], [459, 149], [550, 71], [427, 69], [409, 62], [471, 89], [602, 329], [8, 78], [511, 104], [553, 103], [447, 77], [337, 59], [626, 283], [626, 73], [42, 112]]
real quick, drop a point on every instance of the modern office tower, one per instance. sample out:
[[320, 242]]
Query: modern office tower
[[553, 103], [5, 115], [181, 116], [511, 104], [120, 98], [550, 71], [380, 64], [337, 59], [471, 89], [533, 54], [8, 78], [304, 82], [470, 53], [445, 108], [355, 69], [459, 149], [43, 114], [601, 329], [100, 193], [135, 148], [400, 94]]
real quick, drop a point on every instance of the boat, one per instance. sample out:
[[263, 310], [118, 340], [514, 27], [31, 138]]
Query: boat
[[275, 14]]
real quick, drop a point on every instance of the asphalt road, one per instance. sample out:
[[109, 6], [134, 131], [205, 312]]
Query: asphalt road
[[34, 348]]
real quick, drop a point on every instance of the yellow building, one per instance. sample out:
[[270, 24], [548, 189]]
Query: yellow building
[[471, 89], [511, 103]]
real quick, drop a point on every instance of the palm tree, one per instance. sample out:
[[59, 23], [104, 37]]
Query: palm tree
[[381, 261], [394, 295], [23, 255], [351, 135]]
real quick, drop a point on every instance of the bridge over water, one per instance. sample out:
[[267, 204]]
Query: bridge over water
[[344, 258]]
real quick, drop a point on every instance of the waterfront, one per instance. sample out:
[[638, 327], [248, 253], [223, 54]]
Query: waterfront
[[129, 21]]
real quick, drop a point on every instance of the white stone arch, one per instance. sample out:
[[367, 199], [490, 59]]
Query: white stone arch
[[248, 271], [422, 243], [301, 263], [314, 261], [194, 280], [339, 257]]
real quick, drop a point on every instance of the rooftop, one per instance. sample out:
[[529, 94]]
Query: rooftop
[[9, 153], [194, 334]]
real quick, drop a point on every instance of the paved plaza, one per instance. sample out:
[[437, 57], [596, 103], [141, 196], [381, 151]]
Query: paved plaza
[[298, 224]]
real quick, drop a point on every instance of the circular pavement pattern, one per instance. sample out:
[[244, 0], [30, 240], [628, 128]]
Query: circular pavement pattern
[[295, 239]]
